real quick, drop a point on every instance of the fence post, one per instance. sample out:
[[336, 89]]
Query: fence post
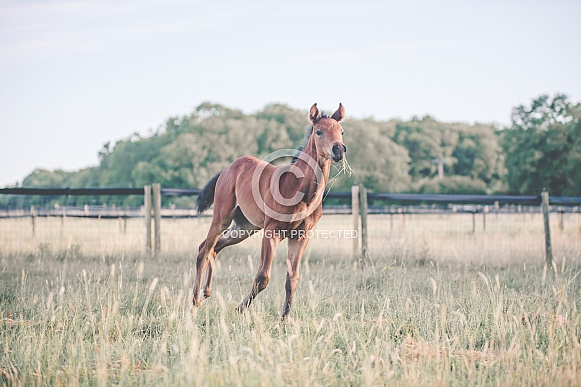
[[548, 248], [401, 218], [122, 222], [474, 221], [364, 229], [484, 212], [355, 213], [33, 219], [147, 209], [561, 220], [157, 217], [63, 216]]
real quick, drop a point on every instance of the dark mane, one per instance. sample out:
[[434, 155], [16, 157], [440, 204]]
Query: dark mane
[[308, 134], [300, 149]]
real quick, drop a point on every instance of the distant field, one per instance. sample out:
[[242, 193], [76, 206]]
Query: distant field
[[508, 238], [82, 303]]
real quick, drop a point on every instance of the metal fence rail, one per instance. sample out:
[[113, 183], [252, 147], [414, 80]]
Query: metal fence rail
[[115, 212], [371, 196]]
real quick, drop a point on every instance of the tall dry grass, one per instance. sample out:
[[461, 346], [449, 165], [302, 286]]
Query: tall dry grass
[[82, 310]]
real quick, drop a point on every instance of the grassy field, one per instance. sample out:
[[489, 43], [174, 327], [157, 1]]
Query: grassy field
[[81, 303]]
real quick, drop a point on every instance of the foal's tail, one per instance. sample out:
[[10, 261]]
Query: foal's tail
[[206, 197]]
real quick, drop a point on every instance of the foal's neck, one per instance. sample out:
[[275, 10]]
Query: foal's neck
[[313, 187]]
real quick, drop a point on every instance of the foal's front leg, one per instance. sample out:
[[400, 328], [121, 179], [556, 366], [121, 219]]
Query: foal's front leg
[[269, 244], [296, 249], [206, 252]]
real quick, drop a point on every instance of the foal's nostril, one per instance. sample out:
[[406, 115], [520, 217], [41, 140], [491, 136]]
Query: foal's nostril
[[336, 150], [344, 149]]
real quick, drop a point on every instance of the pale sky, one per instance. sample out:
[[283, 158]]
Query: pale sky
[[77, 74]]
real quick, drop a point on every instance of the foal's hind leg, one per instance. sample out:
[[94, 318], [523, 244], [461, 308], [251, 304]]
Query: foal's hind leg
[[240, 230]]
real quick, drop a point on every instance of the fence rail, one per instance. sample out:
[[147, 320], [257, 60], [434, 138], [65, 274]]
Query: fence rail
[[371, 196], [114, 212]]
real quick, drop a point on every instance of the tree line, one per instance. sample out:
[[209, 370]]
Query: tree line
[[541, 149]]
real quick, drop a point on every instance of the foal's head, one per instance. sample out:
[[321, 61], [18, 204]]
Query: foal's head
[[328, 133]]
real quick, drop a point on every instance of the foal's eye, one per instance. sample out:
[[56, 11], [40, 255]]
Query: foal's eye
[[319, 132]]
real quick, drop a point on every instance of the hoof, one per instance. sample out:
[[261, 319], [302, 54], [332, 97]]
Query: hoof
[[244, 304], [207, 293], [241, 308]]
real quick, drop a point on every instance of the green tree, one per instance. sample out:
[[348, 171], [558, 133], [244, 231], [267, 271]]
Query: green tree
[[573, 168], [453, 185], [391, 155], [469, 151], [42, 178], [542, 147], [377, 161]]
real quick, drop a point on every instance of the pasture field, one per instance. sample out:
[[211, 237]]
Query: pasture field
[[82, 303]]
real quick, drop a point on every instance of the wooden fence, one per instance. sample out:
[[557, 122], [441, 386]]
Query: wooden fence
[[359, 208]]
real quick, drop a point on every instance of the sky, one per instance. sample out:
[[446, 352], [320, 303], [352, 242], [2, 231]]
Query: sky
[[77, 74]]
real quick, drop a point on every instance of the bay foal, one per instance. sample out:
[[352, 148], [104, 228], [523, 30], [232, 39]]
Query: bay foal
[[285, 201]]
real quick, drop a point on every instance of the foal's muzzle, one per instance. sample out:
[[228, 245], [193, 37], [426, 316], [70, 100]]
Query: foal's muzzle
[[339, 151]]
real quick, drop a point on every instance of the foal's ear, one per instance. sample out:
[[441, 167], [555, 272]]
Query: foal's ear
[[339, 114], [314, 114]]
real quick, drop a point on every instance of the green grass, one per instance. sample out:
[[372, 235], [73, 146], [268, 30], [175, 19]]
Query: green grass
[[78, 312]]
